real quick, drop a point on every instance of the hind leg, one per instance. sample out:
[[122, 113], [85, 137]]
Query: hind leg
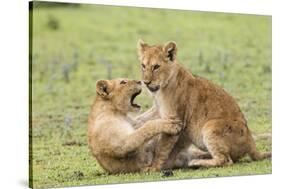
[[219, 157], [214, 140]]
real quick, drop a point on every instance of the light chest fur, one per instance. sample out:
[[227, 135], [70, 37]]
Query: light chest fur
[[162, 104], [112, 131], [125, 127], [121, 128]]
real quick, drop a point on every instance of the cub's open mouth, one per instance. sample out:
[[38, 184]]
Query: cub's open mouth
[[133, 98], [153, 88]]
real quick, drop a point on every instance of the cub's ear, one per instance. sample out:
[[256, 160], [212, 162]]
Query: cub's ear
[[103, 88], [141, 48], [170, 50]]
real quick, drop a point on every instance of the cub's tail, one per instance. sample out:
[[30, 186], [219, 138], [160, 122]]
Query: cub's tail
[[262, 136], [254, 154]]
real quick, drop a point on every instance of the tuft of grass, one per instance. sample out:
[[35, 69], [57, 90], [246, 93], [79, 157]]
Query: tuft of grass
[[94, 42]]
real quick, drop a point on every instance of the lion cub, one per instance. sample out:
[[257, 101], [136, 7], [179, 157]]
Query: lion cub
[[113, 140], [211, 118]]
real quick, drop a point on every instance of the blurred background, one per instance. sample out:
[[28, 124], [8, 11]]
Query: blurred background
[[74, 45]]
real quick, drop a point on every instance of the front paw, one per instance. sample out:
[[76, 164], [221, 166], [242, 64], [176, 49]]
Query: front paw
[[150, 169], [174, 126], [194, 164], [175, 129]]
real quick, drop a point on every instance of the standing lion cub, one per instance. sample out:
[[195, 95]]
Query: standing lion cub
[[211, 118], [112, 138]]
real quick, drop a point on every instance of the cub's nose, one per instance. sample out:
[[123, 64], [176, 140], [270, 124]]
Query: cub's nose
[[138, 82], [147, 82]]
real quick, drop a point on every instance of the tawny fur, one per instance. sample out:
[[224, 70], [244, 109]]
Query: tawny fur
[[211, 118], [112, 138]]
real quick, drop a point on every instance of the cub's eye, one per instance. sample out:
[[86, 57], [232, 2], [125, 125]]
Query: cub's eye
[[156, 67], [123, 82], [143, 66]]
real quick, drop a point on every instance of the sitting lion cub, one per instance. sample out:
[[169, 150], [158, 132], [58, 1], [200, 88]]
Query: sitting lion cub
[[211, 118], [112, 138]]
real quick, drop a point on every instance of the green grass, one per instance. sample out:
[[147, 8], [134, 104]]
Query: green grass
[[72, 48]]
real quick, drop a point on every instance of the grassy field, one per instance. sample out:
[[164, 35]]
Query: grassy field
[[73, 47]]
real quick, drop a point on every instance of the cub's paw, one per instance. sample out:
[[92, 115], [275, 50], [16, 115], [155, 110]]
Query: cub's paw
[[150, 169], [195, 164], [174, 126], [172, 129]]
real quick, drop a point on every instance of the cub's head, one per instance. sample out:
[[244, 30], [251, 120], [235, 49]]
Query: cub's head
[[157, 63], [120, 93]]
